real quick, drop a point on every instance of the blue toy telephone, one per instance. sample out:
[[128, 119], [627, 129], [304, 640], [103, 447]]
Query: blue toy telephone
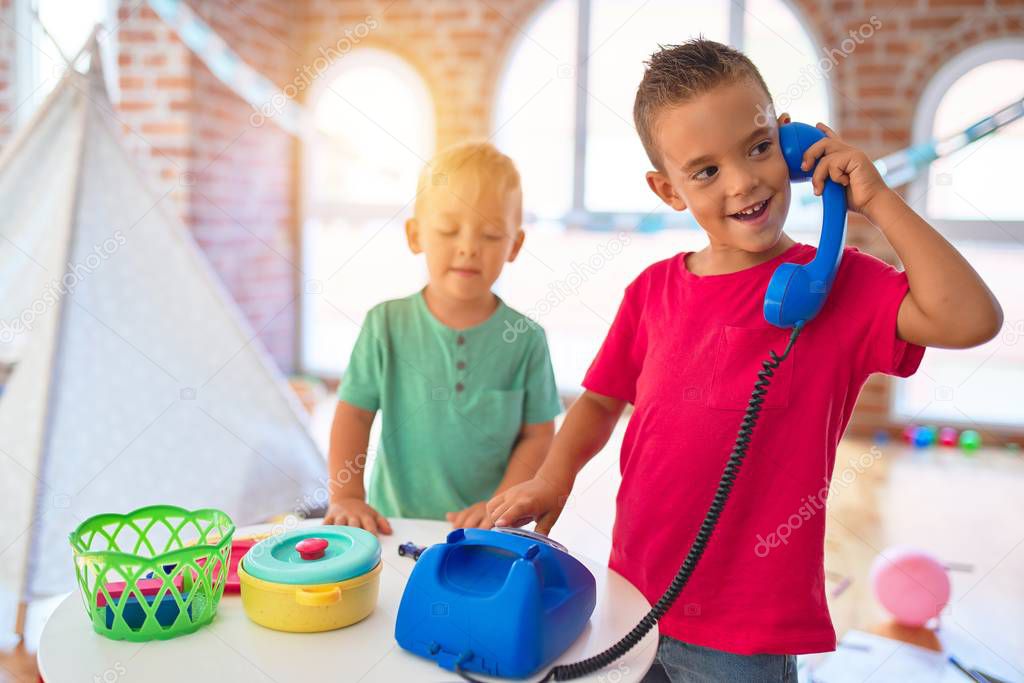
[[502, 602], [795, 294]]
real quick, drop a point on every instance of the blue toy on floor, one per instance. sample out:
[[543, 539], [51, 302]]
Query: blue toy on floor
[[503, 602]]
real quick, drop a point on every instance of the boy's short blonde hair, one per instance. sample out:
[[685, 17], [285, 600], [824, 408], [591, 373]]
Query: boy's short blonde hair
[[476, 166], [676, 74]]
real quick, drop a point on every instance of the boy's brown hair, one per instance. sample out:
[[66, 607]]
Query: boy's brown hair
[[677, 73]]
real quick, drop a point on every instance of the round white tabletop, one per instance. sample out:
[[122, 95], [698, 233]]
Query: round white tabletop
[[232, 648]]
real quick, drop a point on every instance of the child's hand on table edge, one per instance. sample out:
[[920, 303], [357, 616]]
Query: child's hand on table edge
[[847, 166], [356, 512], [475, 516]]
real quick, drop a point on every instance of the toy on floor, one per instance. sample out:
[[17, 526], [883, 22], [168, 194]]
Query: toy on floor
[[842, 583], [908, 433], [311, 579], [948, 436], [924, 436], [970, 441], [911, 584], [501, 602]]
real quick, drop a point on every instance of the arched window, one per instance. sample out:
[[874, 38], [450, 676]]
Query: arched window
[[373, 132], [564, 108], [564, 113], [970, 196], [975, 183]]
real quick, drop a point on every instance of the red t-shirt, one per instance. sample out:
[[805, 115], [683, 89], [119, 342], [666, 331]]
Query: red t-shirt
[[685, 350]]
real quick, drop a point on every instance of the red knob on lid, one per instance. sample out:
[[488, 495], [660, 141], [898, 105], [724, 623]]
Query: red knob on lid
[[311, 548]]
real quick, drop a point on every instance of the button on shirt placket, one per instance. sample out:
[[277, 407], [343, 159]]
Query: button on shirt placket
[[460, 343]]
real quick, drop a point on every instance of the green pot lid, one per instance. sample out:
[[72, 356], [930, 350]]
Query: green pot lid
[[312, 555]]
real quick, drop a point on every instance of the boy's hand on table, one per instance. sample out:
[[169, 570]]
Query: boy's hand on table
[[475, 516], [356, 512], [537, 499]]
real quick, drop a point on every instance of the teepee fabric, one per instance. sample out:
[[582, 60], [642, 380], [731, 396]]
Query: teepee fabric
[[139, 382]]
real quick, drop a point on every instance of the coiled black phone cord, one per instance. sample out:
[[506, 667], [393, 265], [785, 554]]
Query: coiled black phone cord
[[565, 672]]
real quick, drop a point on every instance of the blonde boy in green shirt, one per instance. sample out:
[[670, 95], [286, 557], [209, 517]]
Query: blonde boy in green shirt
[[463, 382]]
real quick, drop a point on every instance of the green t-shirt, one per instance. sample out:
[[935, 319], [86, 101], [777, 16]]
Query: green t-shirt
[[452, 401]]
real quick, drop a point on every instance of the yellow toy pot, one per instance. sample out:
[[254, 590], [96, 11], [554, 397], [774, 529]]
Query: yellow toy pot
[[311, 579]]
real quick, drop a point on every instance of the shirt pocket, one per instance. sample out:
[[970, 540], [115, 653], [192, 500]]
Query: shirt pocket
[[497, 417], [741, 352]]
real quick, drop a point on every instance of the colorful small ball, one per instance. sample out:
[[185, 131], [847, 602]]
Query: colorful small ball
[[970, 440], [948, 436], [910, 584], [924, 436], [908, 433]]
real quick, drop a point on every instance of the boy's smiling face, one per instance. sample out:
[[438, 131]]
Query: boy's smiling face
[[721, 159], [468, 232]]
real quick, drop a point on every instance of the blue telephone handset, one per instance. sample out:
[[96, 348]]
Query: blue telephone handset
[[797, 292]]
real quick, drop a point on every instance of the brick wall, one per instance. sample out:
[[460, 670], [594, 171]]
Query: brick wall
[[458, 46], [242, 209], [233, 183], [157, 104], [7, 51], [239, 193]]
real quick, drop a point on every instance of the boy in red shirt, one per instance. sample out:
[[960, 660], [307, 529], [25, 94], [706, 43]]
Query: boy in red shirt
[[685, 349]]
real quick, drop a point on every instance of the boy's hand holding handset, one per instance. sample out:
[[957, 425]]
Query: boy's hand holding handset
[[847, 166]]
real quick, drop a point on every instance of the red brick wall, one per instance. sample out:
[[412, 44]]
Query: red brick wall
[[458, 46], [242, 208], [233, 183], [157, 104], [241, 181], [7, 49]]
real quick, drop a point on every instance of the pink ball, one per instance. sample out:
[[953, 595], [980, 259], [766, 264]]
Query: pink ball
[[911, 584], [908, 433]]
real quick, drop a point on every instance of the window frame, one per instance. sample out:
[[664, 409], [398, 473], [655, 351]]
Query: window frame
[[308, 209], [921, 132], [988, 233], [579, 216], [26, 59]]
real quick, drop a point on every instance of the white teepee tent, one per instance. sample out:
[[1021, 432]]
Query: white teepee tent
[[138, 380]]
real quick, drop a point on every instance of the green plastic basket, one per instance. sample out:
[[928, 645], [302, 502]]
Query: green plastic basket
[[172, 563]]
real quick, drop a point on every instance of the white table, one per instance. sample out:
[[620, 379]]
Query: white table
[[232, 648]]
